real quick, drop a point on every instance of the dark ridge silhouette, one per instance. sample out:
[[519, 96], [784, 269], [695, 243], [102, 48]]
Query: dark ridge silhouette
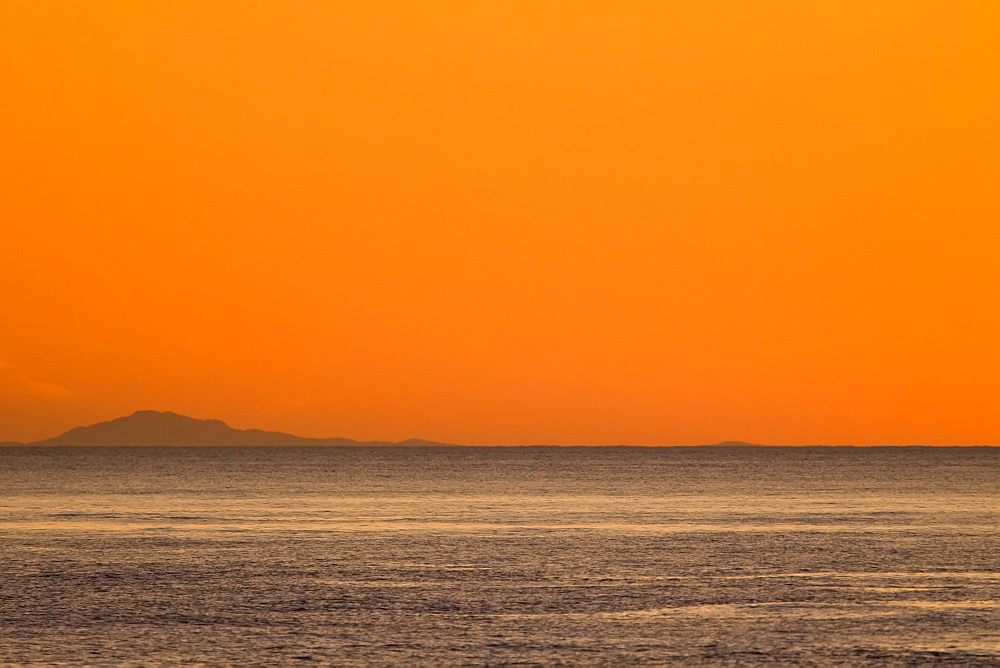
[[153, 428], [162, 428]]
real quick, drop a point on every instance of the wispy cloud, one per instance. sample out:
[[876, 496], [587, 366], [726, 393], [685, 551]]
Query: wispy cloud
[[15, 382]]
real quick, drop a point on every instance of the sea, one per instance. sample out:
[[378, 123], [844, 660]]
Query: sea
[[496, 556]]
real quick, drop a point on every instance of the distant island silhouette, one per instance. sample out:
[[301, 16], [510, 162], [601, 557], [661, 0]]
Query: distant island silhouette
[[163, 428]]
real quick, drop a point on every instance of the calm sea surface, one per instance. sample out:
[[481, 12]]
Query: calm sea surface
[[500, 555]]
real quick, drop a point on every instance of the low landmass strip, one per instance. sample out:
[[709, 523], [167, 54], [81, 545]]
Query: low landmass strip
[[164, 428]]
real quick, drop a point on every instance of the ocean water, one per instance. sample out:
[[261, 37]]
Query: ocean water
[[496, 556]]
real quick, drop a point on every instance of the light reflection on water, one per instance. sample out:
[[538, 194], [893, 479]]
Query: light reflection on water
[[612, 556], [652, 513], [408, 525]]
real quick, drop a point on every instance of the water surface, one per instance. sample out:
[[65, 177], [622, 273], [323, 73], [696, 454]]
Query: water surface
[[500, 555]]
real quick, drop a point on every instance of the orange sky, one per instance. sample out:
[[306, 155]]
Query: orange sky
[[504, 222]]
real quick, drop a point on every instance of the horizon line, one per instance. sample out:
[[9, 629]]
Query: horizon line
[[158, 416], [381, 445]]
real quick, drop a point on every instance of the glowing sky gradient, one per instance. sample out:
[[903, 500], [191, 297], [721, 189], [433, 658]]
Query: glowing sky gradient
[[504, 222]]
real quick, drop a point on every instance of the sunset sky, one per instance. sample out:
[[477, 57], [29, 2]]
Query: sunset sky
[[504, 222]]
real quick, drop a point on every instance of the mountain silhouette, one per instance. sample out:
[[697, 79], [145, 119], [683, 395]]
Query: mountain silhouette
[[152, 428]]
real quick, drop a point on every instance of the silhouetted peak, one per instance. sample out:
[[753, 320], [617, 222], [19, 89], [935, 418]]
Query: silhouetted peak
[[162, 416], [149, 427], [152, 416], [154, 428]]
